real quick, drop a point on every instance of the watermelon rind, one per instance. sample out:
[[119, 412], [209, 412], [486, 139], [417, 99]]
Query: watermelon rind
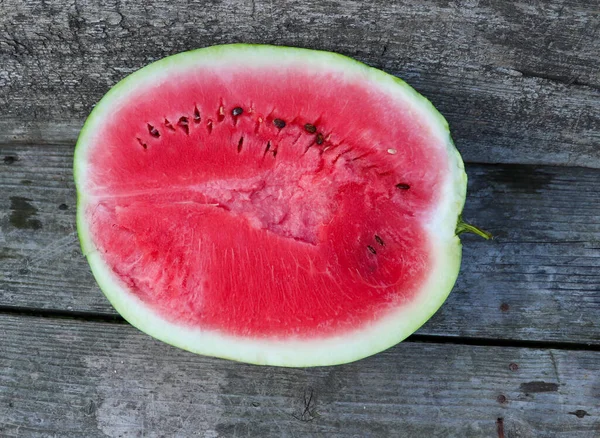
[[301, 352]]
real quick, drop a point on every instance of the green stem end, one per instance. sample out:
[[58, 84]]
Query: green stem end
[[463, 227]]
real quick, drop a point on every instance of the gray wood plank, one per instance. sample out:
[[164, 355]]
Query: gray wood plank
[[72, 378], [538, 280], [518, 81]]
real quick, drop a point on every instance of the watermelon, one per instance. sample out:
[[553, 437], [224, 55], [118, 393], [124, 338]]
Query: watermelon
[[270, 205]]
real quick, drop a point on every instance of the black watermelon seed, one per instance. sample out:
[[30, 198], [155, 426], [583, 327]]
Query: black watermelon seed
[[279, 123], [310, 128], [379, 240], [371, 249], [153, 131], [237, 111], [9, 159], [320, 138], [184, 124], [196, 115], [169, 125], [402, 186]]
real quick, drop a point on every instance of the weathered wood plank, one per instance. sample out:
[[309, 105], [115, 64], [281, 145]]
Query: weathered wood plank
[[538, 280], [519, 81], [73, 378]]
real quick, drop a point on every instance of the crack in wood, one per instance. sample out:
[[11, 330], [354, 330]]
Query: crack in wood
[[566, 80]]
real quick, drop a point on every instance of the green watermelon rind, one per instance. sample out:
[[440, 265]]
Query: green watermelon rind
[[364, 341]]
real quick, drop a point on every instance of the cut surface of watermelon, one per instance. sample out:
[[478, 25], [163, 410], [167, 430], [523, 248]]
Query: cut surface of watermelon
[[271, 205]]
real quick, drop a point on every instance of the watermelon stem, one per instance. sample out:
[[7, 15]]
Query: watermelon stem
[[463, 227]]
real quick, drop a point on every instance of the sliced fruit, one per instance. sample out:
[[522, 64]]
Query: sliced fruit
[[270, 205]]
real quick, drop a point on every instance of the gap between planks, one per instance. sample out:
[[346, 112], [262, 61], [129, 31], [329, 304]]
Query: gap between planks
[[414, 338]]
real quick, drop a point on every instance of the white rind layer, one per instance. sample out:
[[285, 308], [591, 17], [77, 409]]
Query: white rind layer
[[362, 342]]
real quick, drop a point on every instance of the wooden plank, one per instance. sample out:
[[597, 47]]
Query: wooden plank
[[72, 378], [538, 280], [518, 81]]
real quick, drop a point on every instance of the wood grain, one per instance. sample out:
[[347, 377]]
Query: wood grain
[[96, 379], [519, 81], [537, 280]]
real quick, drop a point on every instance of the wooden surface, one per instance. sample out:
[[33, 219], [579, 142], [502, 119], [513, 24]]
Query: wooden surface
[[519, 81], [111, 380], [514, 352], [542, 266]]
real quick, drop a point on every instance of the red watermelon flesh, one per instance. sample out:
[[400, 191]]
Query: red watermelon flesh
[[260, 195]]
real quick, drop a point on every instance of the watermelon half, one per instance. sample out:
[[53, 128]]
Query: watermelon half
[[270, 205]]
